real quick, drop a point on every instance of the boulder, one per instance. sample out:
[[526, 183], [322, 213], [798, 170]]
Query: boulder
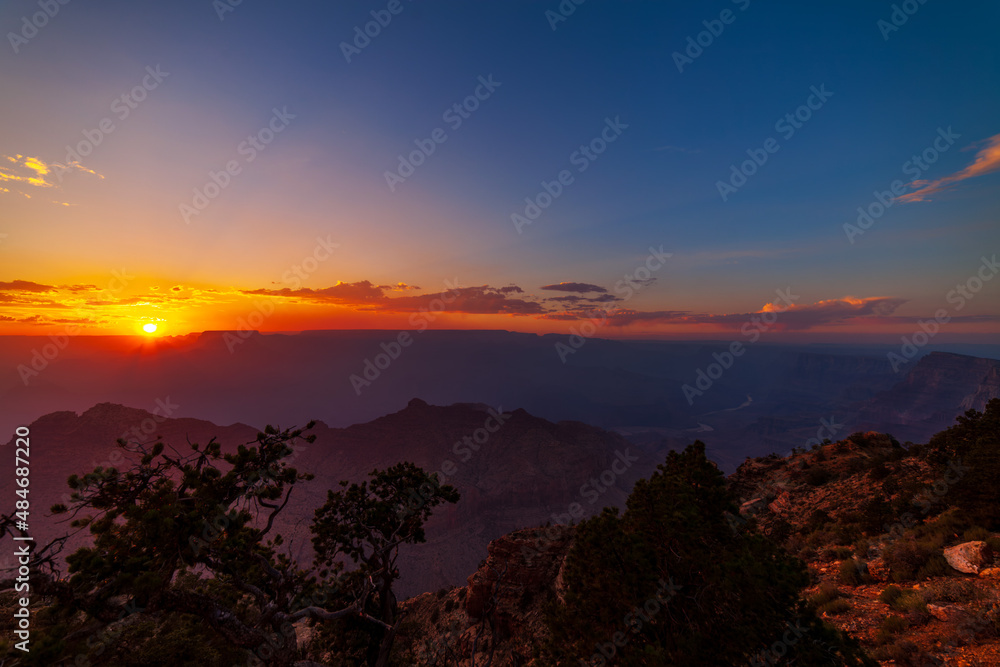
[[947, 613], [751, 506], [968, 557]]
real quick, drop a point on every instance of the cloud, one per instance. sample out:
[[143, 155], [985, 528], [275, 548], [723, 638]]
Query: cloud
[[573, 287], [482, 300], [366, 295], [363, 291], [25, 286], [603, 298], [795, 318], [30, 170], [21, 170], [987, 160]]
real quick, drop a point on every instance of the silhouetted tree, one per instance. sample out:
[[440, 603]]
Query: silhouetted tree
[[367, 523], [189, 536], [670, 582]]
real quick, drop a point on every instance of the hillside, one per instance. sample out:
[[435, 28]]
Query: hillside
[[527, 471], [871, 521]]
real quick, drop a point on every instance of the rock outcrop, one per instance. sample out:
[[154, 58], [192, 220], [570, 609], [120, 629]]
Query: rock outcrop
[[968, 557]]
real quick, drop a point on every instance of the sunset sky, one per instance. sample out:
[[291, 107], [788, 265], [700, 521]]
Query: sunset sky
[[117, 115]]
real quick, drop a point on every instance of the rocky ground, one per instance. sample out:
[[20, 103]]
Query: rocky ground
[[950, 618]]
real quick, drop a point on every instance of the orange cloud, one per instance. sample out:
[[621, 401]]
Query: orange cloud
[[35, 172], [987, 161], [368, 296]]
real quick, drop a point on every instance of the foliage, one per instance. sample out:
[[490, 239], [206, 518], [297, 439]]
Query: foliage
[[835, 607], [973, 443], [367, 523], [731, 592], [183, 567], [852, 573]]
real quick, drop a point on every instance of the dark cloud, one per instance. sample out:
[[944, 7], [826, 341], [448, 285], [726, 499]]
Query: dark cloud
[[796, 318], [483, 300], [25, 286], [368, 296], [574, 287], [342, 293], [569, 300]]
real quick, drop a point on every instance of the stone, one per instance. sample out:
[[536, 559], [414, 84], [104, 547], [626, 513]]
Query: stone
[[947, 613], [968, 557]]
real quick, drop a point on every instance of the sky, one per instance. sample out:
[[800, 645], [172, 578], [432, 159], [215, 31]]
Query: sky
[[651, 169]]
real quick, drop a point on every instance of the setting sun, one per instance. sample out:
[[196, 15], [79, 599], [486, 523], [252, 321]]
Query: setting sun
[[149, 328]]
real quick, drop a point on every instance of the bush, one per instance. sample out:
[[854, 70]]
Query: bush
[[818, 476], [890, 625], [904, 653], [905, 558], [817, 520], [837, 553], [950, 590], [835, 607], [879, 471], [852, 573], [827, 593], [976, 533], [890, 594], [910, 602], [936, 566]]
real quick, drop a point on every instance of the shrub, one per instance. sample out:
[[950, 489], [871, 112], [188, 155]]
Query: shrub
[[827, 593], [834, 607], [890, 594], [910, 602], [851, 572], [861, 548], [906, 558], [818, 476], [936, 566], [904, 653], [817, 520], [950, 590], [977, 533], [890, 625], [837, 553]]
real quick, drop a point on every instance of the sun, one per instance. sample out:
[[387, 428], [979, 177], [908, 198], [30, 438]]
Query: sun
[[149, 328]]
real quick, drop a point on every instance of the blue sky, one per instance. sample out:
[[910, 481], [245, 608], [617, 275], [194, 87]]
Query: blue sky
[[655, 185]]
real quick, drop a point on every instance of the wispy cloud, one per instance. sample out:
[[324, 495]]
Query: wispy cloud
[[987, 160], [573, 287], [796, 318], [24, 173]]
